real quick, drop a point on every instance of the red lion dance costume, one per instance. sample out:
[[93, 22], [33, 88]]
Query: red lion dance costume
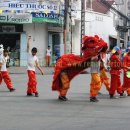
[[70, 65]]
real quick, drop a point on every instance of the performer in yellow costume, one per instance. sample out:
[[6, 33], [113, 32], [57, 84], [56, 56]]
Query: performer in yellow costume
[[96, 83], [103, 71]]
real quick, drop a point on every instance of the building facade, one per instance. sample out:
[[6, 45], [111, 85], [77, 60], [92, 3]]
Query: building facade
[[124, 7], [43, 21], [99, 20]]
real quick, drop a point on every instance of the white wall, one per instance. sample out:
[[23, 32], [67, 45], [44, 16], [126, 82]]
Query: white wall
[[39, 35], [96, 24], [100, 24], [76, 38]]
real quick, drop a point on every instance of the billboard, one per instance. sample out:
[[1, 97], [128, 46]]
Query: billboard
[[30, 5], [19, 19]]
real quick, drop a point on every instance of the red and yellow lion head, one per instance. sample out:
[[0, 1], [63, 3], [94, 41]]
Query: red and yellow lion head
[[92, 45]]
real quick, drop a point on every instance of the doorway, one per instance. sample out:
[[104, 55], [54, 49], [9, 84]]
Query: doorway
[[54, 43]]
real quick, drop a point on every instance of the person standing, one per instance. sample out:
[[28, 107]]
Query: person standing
[[126, 68], [32, 61], [48, 56], [116, 66], [4, 74], [95, 84]]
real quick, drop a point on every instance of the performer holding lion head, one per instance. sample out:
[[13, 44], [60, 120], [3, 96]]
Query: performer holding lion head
[[70, 65]]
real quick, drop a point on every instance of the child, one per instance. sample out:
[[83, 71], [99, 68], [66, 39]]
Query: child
[[4, 74], [116, 66], [32, 60]]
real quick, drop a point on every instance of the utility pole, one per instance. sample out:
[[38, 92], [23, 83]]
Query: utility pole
[[66, 24], [120, 23], [71, 27], [71, 31], [125, 24], [82, 22], [128, 8]]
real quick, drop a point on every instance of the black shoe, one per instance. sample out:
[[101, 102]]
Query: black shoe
[[113, 97], [36, 95], [122, 95], [63, 98], [12, 89], [29, 94], [93, 99]]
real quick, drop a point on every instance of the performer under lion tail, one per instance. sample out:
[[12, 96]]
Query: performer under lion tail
[[116, 66], [65, 85]]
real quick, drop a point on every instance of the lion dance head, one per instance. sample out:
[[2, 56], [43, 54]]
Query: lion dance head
[[93, 45]]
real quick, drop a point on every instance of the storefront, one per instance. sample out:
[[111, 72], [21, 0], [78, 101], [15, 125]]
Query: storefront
[[11, 35], [55, 39], [12, 43], [35, 20], [113, 41]]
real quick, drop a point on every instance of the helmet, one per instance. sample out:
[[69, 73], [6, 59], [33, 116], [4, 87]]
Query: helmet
[[127, 49], [116, 49]]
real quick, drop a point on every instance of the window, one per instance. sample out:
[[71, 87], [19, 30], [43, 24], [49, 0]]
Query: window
[[88, 4]]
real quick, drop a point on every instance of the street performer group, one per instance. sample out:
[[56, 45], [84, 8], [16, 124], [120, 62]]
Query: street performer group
[[94, 51]]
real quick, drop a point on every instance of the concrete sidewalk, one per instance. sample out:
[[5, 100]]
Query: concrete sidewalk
[[23, 70]]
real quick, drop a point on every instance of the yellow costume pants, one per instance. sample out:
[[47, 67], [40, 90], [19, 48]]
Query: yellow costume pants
[[105, 79], [95, 85], [65, 84]]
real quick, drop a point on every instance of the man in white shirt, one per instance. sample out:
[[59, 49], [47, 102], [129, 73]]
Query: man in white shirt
[[32, 61], [4, 74], [48, 56]]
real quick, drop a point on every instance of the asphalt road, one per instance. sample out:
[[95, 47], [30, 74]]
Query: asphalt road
[[18, 112]]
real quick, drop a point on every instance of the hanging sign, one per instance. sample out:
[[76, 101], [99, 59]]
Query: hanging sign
[[46, 17], [35, 6], [18, 19]]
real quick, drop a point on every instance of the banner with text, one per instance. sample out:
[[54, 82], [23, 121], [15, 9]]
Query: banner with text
[[45, 6], [18, 19], [43, 17]]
